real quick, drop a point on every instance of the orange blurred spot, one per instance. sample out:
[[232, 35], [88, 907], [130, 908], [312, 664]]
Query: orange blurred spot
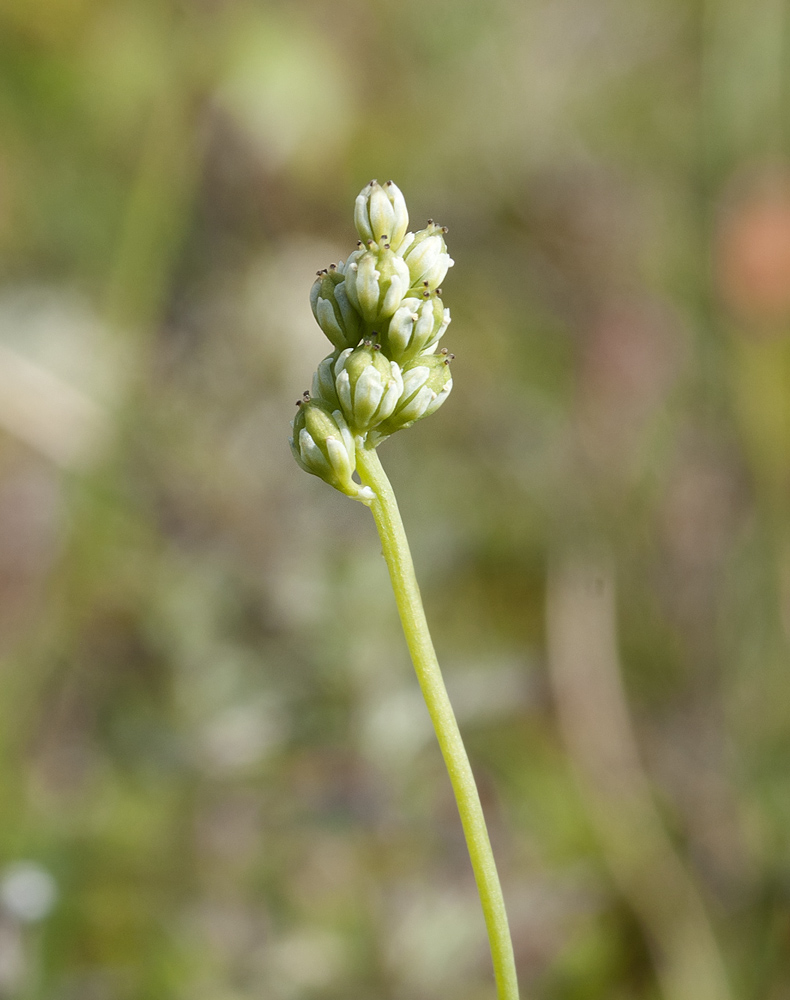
[[753, 249]]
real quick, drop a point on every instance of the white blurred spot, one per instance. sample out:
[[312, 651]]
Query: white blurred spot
[[44, 412], [243, 735], [396, 726], [28, 891], [436, 940], [58, 367], [494, 689], [306, 960]]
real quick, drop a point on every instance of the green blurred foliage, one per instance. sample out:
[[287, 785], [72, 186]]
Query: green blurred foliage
[[214, 762]]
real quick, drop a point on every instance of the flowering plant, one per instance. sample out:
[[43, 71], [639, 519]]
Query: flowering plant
[[382, 311]]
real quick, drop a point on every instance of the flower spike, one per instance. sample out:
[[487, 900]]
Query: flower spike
[[382, 311]]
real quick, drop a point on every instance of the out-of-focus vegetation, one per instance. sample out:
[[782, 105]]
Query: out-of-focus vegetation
[[217, 780]]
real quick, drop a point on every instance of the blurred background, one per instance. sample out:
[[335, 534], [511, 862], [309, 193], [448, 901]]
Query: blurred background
[[217, 779]]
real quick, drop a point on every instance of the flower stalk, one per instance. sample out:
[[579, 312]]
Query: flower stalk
[[395, 547]]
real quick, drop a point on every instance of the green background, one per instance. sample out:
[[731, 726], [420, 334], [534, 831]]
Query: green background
[[212, 748]]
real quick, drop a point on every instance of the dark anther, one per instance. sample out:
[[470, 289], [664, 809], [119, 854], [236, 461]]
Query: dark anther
[[366, 343], [299, 402], [430, 222], [333, 267], [389, 183], [427, 284], [444, 351], [385, 236], [319, 273], [451, 357], [445, 229], [377, 347], [438, 291], [446, 361], [386, 246], [373, 182], [306, 394], [426, 295], [359, 243]]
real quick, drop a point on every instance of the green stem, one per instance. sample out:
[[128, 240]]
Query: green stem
[[395, 548]]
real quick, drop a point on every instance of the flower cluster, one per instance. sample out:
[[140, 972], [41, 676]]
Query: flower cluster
[[382, 312]]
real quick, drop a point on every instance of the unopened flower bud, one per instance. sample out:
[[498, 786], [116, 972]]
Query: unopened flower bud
[[324, 446], [380, 213], [426, 385], [376, 282], [427, 257], [368, 386], [416, 327], [324, 382], [333, 312]]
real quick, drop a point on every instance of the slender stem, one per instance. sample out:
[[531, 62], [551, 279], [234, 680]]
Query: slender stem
[[395, 548]]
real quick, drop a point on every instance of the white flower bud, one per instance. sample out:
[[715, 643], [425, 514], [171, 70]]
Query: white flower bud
[[376, 282], [333, 312], [416, 328], [324, 446], [427, 257], [368, 386], [380, 213], [426, 385], [324, 382]]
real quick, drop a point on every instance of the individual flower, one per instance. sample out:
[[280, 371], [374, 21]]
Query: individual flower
[[381, 215], [324, 446], [416, 327], [324, 382], [376, 282], [426, 385], [332, 310], [427, 258], [368, 386]]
